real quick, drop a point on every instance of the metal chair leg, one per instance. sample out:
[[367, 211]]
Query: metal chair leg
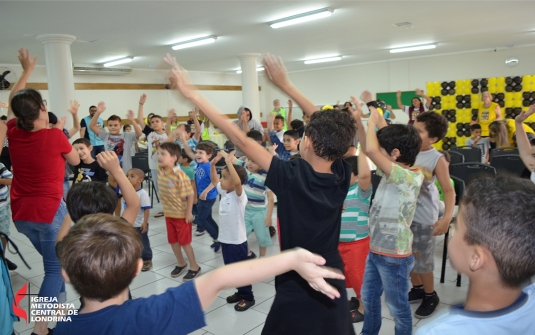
[[444, 257]]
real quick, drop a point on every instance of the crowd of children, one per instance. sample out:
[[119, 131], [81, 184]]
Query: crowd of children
[[331, 234]]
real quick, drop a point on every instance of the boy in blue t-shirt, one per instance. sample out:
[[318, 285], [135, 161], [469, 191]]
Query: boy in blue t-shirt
[[289, 145], [493, 246]]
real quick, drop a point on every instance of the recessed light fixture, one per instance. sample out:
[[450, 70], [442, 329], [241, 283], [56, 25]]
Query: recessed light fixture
[[258, 69], [194, 42], [119, 61], [300, 18], [323, 60], [413, 48]]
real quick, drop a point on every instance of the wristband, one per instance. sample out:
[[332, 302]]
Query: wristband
[[372, 104]]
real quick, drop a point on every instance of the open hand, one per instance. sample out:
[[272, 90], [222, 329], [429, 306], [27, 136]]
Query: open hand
[[4, 104], [290, 103], [28, 64], [366, 96], [276, 71], [525, 114], [357, 111], [181, 78], [398, 94], [230, 157], [101, 107], [73, 109], [216, 159], [440, 227], [142, 99], [108, 160], [273, 149], [131, 116], [171, 114], [419, 92], [374, 117]]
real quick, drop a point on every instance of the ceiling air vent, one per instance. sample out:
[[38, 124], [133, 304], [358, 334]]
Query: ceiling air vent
[[403, 25], [102, 71]]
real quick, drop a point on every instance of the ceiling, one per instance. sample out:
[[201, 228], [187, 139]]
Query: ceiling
[[361, 31]]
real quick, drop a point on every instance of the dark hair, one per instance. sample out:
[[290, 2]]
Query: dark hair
[[208, 147], [173, 149], [331, 133], [157, 117], [292, 133], [354, 162], [421, 103], [126, 125], [115, 118], [446, 155], [242, 173], [475, 126], [26, 105], [280, 117], [100, 254], [296, 156], [250, 113], [3, 117], [149, 116], [402, 137], [435, 124], [186, 156], [255, 135], [82, 140], [187, 128], [532, 142], [52, 118], [90, 198], [348, 102], [296, 124], [92, 106], [498, 213]]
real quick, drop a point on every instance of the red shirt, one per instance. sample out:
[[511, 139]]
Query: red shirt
[[38, 172]]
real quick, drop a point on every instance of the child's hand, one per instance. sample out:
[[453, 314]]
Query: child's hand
[[4, 104], [109, 161], [440, 227], [309, 266], [290, 103], [366, 96], [131, 116], [229, 157], [73, 109], [267, 222], [344, 207], [398, 94], [61, 123], [525, 114], [217, 158], [181, 78], [142, 99], [171, 114], [476, 139], [203, 194], [419, 92], [101, 107], [144, 227], [223, 153], [273, 149], [26, 60], [189, 217], [357, 112], [276, 70], [374, 116]]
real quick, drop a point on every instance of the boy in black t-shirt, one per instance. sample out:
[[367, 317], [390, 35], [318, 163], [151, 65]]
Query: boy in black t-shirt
[[88, 169], [311, 192]]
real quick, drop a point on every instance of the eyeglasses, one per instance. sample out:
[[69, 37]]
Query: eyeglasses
[[44, 102]]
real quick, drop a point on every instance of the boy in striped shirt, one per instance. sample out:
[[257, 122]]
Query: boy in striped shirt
[[354, 243]]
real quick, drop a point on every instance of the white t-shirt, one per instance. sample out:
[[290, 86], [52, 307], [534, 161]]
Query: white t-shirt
[[232, 217], [280, 135], [145, 204], [515, 319], [533, 177], [154, 140]]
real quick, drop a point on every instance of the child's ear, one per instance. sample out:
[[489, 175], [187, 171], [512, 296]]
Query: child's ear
[[433, 140], [90, 148], [65, 276], [479, 258], [395, 154], [139, 266]]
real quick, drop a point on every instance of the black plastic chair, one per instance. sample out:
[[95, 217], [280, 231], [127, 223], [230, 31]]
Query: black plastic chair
[[459, 187], [456, 157], [470, 154], [142, 162], [503, 151], [470, 171], [508, 164]]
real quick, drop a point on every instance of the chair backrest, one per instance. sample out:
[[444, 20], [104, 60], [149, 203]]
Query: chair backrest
[[215, 145], [508, 164], [470, 171], [503, 151], [229, 146], [375, 183], [456, 157], [458, 186], [141, 162], [470, 154]]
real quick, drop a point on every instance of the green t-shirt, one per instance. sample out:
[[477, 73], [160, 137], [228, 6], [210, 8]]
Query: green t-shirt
[[440, 194], [190, 172]]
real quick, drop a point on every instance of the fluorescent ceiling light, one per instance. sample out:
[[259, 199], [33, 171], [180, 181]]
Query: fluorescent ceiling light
[[414, 48], [258, 69], [119, 61], [300, 18], [323, 60], [194, 43]]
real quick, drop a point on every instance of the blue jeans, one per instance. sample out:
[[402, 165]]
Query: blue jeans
[[204, 218], [43, 237], [66, 188], [392, 275], [233, 253], [146, 255]]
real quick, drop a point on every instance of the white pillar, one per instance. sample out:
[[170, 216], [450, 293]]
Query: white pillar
[[59, 73], [249, 79]]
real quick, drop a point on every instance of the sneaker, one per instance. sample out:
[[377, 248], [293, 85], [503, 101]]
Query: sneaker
[[428, 306], [416, 295], [251, 255], [178, 271], [232, 299], [147, 265], [191, 275], [272, 231], [10, 265], [243, 305], [354, 304], [200, 232], [216, 246], [356, 316]]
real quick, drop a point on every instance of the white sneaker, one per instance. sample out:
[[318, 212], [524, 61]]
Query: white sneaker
[[199, 233]]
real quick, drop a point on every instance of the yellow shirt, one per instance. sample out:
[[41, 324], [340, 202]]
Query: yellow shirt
[[174, 186], [511, 130], [486, 116]]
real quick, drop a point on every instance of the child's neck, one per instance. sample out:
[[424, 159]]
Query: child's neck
[[159, 132], [186, 165], [320, 165], [137, 187], [88, 160], [94, 305], [294, 150], [167, 167], [486, 295], [426, 148], [403, 165]]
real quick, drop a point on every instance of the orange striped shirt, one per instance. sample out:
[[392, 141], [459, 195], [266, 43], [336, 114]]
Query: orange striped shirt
[[174, 186]]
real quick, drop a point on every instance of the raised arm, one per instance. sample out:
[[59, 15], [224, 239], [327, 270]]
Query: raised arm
[[252, 149], [522, 141], [277, 73], [197, 134], [213, 172], [398, 98], [140, 117], [28, 64], [75, 122], [423, 95], [392, 115], [183, 136], [170, 115], [137, 129], [101, 107], [233, 174], [290, 113], [365, 176]]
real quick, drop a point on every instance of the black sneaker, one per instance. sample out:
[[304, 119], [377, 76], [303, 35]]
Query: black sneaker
[[252, 255], [272, 231], [356, 316], [191, 275], [243, 305], [178, 271], [232, 299], [416, 295], [216, 246], [10, 265], [428, 306], [354, 304]]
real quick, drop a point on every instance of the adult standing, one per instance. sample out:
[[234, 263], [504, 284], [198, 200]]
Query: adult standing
[[86, 132], [489, 112], [277, 109], [416, 107], [38, 156], [246, 123]]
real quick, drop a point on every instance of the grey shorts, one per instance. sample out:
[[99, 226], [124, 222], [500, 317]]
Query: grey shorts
[[423, 248]]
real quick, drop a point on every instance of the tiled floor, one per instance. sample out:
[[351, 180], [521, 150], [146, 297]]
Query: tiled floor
[[221, 318]]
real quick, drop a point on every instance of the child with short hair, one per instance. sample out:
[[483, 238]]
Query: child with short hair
[[136, 177], [180, 309], [289, 146], [311, 193], [6, 178], [428, 221], [177, 200], [276, 125], [447, 157], [493, 246], [393, 149], [477, 141], [88, 169], [174, 134]]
